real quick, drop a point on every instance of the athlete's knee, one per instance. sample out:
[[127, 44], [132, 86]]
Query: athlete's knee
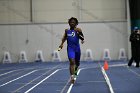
[[77, 63], [72, 62]]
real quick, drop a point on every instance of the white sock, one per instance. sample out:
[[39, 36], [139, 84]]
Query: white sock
[[72, 76]]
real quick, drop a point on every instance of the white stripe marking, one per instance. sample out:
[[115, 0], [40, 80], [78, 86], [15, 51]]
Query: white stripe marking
[[134, 72], [107, 80], [18, 78], [41, 81], [7, 73], [25, 84], [118, 65], [12, 71], [69, 90]]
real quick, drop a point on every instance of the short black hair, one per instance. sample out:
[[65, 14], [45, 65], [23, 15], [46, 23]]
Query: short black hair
[[73, 18]]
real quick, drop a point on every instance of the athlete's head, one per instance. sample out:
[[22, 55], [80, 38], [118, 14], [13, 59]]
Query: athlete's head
[[73, 22]]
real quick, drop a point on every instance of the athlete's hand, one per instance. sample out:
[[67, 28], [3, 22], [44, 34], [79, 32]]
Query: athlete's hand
[[82, 41], [61, 46]]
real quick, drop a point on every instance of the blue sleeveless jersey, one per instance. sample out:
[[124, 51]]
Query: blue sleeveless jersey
[[72, 38], [73, 46]]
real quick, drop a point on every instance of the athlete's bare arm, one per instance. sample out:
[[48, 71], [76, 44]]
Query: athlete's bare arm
[[81, 36], [63, 39]]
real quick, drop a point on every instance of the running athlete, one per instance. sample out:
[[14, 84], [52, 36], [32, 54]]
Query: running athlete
[[72, 36]]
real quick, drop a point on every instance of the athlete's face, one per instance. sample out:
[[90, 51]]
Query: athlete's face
[[72, 23]]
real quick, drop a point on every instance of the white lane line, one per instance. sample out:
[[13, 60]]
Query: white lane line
[[41, 81], [18, 78], [15, 69], [69, 90], [134, 72], [15, 91], [7, 73], [84, 68], [107, 80], [12, 71], [118, 65], [62, 91]]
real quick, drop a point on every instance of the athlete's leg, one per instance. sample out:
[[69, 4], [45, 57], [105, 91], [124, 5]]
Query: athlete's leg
[[72, 65], [77, 63], [72, 69], [71, 56], [77, 60]]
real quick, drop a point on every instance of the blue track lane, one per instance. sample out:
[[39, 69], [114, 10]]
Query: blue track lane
[[12, 87], [124, 80], [90, 81], [54, 84]]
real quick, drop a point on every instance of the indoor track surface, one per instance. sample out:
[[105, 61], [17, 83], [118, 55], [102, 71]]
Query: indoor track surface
[[53, 77]]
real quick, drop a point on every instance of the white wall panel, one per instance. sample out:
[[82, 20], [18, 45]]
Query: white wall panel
[[18, 11], [14, 11], [47, 37]]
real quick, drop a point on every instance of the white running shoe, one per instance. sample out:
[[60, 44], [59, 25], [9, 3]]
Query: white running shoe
[[72, 79]]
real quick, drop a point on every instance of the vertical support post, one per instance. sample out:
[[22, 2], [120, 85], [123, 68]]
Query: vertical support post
[[128, 27], [31, 11]]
